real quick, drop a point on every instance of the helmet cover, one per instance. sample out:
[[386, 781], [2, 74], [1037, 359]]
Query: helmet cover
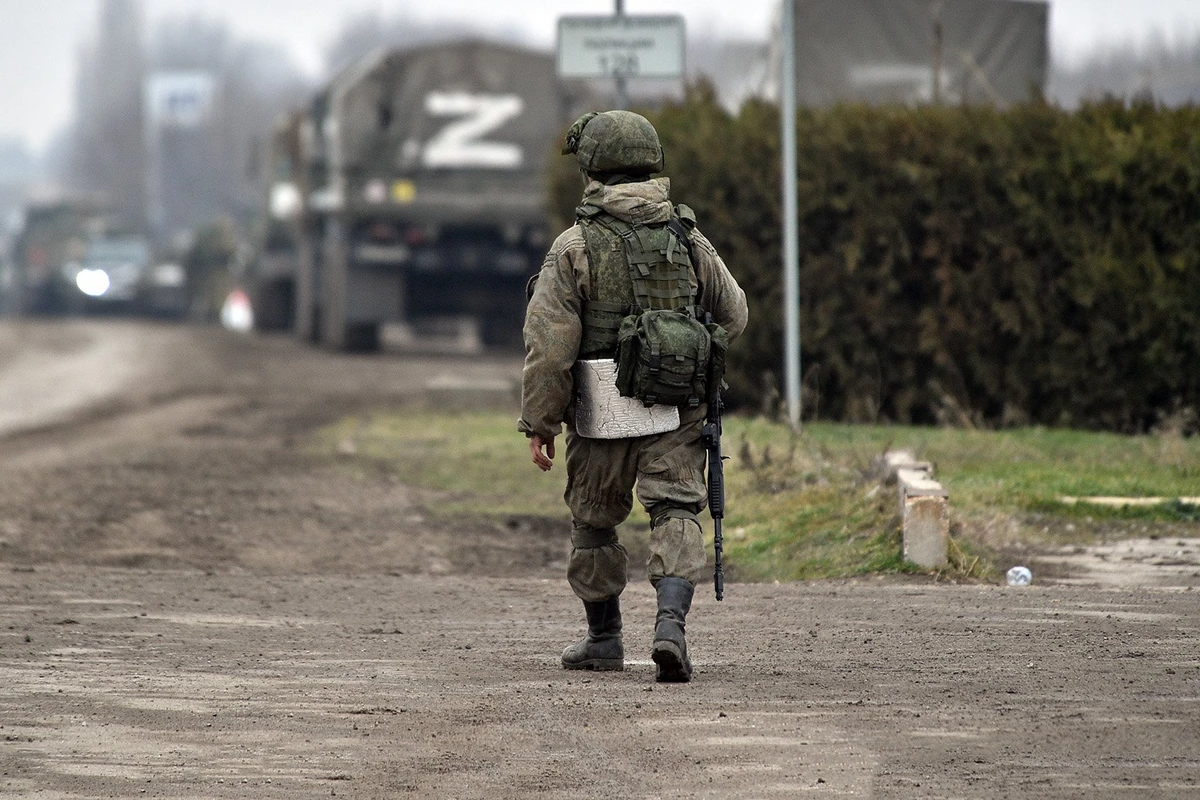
[[615, 142]]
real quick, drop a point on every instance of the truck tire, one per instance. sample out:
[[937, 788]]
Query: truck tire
[[362, 337], [311, 333], [274, 308]]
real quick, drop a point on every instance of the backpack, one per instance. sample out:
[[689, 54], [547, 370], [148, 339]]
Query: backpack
[[669, 357]]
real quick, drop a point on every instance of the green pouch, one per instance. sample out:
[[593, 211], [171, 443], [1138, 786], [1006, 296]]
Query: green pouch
[[664, 357]]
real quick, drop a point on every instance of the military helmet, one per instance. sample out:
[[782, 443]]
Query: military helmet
[[615, 142]]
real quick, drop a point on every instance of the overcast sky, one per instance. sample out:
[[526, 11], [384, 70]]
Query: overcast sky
[[39, 39]]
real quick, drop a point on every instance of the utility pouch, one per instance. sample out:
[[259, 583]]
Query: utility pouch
[[665, 357]]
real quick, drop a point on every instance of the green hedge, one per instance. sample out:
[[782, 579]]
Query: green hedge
[[968, 265]]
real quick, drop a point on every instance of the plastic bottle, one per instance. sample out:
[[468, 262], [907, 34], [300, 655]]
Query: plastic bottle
[[1019, 576]]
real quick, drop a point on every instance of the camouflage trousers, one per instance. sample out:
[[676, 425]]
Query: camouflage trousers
[[668, 471]]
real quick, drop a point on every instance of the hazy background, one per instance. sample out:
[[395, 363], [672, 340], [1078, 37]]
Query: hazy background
[[69, 71], [40, 42]]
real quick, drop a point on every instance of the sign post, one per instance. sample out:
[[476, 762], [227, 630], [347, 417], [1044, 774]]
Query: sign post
[[622, 88], [791, 247], [172, 100]]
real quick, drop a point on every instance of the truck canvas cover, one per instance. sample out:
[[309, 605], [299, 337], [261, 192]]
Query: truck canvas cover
[[459, 130]]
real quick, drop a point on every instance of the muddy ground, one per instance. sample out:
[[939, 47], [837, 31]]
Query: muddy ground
[[194, 606]]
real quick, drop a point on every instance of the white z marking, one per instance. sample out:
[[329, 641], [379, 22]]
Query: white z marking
[[459, 143]]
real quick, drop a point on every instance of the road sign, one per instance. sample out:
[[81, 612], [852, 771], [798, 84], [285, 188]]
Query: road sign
[[179, 99], [621, 46]]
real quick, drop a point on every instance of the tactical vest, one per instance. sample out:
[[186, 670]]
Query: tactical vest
[[642, 309], [632, 267]]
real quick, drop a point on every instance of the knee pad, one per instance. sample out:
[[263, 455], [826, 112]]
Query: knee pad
[[660, 514], [590, 538]]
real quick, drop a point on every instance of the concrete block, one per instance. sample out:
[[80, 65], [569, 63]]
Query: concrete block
[[926, 525], [924, 511], [919, 483]]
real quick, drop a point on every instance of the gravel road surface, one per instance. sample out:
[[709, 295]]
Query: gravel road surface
[[194, 606]]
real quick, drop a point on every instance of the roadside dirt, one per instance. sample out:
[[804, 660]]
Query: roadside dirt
[[192, 607]]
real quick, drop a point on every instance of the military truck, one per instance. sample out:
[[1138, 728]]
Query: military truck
[[72, 257], [47, 252], [425, 194]]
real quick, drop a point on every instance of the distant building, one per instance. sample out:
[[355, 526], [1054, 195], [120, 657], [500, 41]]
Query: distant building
[[18, 171], [917, 51]]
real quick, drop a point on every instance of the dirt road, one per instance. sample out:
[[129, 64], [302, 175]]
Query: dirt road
[[193, 607]]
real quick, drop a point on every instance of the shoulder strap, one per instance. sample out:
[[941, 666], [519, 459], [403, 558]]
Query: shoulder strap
[[682, 223], [676, 227]]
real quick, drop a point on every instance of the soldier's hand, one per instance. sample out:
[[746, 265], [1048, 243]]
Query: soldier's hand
[[544, 460]]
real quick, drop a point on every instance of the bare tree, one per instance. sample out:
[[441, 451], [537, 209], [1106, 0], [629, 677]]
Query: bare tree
[[1168, 74]]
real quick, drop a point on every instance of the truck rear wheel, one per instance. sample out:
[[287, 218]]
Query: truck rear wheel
[[275, 306], [362, 337]]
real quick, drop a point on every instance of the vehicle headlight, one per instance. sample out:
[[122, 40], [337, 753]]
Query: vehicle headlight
[[93, 282]]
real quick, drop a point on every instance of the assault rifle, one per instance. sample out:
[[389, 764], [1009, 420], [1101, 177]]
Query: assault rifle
[[711, 435]]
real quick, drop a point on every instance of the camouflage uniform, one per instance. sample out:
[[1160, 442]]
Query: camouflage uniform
[[667, 468]]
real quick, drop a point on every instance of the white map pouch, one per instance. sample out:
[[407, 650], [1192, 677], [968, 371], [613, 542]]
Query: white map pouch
[[602, 413]]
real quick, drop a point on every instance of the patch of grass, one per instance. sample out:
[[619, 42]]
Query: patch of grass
[[809, 505], [1007, 487], [477, 460], [795, 513], [1032, 468]]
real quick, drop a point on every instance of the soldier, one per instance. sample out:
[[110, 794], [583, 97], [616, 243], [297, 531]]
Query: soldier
[[585, 290]]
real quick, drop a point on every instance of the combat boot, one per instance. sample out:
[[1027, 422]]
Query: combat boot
[[670, 648], [601, 649]]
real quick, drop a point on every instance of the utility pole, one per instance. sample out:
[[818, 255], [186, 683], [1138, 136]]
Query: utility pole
[[152, 165], [622, 89], [791, 247], [938, 50]]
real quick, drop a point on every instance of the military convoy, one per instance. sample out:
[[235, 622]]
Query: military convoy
[[411, 189]]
